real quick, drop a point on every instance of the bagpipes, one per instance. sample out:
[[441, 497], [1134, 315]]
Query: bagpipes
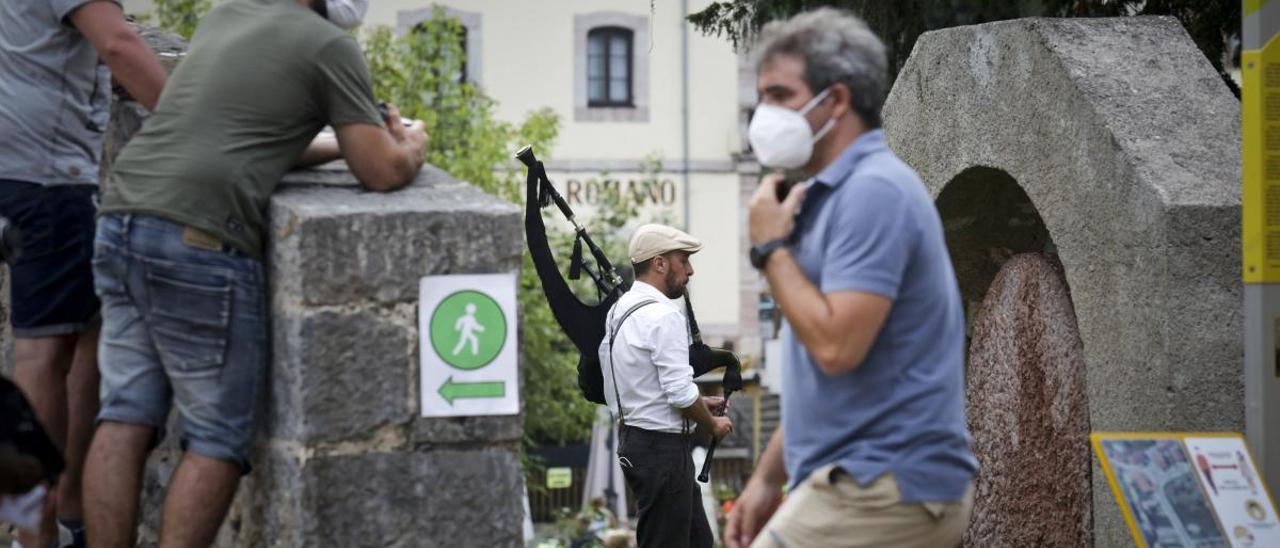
[[583, 323]]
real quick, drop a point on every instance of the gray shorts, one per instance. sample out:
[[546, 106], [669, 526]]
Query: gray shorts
[[181, 324]]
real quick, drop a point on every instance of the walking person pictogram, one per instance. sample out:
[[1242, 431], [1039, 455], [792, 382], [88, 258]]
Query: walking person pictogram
[[467, 327]]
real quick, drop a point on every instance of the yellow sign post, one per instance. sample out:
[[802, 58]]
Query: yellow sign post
[[1260, 126], [1260, 217]]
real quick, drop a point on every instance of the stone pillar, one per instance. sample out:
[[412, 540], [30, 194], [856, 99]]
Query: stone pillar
[[344, 458]]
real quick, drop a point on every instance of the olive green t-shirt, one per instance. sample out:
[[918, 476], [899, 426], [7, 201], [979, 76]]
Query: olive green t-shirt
[[260, 80]]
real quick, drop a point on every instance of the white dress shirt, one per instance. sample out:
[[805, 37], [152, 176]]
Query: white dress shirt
[[651, 357]]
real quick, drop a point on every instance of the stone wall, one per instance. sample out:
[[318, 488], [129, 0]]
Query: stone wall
[[1127, 144]]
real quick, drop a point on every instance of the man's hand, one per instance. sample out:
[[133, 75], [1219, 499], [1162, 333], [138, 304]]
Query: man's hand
[[716, 404], [412, 138], [384, 158], [721, 426], [768, 220], [699, 413], [757, 503]]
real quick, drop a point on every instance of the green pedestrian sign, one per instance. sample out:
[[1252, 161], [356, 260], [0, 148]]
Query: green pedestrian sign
[[468, 329], [467, 338]]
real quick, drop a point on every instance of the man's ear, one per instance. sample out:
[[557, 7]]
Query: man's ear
[[843, 98]]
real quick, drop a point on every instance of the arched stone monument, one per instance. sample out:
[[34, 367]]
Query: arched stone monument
[[1121, 137]]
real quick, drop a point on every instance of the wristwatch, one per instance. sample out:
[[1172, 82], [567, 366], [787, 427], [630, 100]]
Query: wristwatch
[[759, 254]]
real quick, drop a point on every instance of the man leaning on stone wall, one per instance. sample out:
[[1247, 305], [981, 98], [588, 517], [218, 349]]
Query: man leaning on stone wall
[[57, 59], [178, 255]]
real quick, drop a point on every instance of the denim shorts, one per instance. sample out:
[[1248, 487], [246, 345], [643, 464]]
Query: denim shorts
[[51, 284], [181, 324]]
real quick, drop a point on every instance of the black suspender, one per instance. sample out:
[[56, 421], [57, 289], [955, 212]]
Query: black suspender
[[613, 334]]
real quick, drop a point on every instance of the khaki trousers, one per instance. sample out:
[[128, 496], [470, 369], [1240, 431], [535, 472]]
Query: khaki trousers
[[829, 509]]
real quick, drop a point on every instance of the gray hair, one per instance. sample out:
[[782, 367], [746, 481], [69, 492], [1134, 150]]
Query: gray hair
[[837, 47]]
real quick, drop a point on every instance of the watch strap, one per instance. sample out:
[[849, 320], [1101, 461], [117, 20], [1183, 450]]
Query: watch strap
[[760, 254]]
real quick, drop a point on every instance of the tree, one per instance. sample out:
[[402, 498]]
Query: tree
[[181, 16], [1213, 24]]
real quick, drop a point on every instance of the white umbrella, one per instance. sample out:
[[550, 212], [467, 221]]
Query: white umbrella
[[604, 474]]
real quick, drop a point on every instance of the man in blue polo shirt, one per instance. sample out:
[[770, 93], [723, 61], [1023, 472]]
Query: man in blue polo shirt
[[873, 431]]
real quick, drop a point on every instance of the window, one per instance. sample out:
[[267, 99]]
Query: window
[[461, 75], [470, 69], [462, 68], [609, 67]]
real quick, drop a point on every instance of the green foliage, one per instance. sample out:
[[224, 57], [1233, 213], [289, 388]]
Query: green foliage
[[181, 16], [419, 73], [1213, 24]]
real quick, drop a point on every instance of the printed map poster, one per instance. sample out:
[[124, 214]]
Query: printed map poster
[[1159, 494], [1188, 489], [1234, 487]]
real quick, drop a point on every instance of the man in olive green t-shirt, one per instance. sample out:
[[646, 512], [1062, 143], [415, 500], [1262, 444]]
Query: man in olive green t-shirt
[[178, 251]]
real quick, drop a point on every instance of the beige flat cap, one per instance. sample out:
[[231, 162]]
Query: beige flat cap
[[652, 240]]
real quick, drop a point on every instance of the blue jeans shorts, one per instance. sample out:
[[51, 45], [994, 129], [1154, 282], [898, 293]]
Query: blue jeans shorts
[[181, 323], [51, 283]]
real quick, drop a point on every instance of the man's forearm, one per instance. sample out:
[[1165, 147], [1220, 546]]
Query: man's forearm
[[130, 59], [699, 414], [804, 306], [770, 469], [322, 150], [136, 67]]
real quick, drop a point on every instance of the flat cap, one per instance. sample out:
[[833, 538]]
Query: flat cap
[[652, 240]]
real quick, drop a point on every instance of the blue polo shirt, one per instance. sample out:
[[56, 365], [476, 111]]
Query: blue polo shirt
[[868, 224]]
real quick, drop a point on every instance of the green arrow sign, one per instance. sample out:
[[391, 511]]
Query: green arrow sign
[[454, 390]]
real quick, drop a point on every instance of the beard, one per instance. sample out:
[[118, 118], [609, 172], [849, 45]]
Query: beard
[[675, 288]]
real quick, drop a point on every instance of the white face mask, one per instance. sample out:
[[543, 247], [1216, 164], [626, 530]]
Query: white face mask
[[346, 14], [781, 137]]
